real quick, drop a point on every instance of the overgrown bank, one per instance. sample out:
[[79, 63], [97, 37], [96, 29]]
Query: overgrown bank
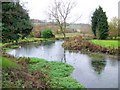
[[77, 43], [15, 74]]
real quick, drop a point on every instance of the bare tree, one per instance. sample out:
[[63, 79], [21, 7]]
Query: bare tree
[[60, 11]]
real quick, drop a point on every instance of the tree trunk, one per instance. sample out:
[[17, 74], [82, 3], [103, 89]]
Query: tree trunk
[[64, 35]]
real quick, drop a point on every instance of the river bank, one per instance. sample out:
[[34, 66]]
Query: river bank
[[77, 43]]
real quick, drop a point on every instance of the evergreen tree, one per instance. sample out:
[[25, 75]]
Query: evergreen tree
[[100, 24], [15, 22], [94, 22]]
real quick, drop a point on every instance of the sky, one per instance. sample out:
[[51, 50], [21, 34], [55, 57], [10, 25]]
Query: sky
[[84, 8]]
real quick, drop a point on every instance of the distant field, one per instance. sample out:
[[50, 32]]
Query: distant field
[[67, 35], [107, 43]]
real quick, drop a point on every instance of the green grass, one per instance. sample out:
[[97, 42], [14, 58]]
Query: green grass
[[59, 73], [8, 63], [0, 44], [107, 43]]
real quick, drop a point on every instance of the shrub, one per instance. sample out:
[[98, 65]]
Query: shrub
[[47, 33]]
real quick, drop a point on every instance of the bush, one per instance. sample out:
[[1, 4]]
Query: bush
[[47, 33]]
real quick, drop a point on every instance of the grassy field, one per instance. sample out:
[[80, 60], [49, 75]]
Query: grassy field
[[107, 43]]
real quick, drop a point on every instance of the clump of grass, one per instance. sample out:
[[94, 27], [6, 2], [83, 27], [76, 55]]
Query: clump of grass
[[8, 63], [58, 73]]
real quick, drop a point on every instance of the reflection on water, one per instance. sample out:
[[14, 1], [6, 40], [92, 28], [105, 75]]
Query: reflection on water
[[98, 63], [92, 71], [98, 66]]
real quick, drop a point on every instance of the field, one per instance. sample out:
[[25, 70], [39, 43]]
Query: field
[[107, 43], [67, 35]]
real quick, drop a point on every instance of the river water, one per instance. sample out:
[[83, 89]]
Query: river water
[[92, 72]]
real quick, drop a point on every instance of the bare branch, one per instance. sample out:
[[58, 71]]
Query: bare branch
[[60, 11]]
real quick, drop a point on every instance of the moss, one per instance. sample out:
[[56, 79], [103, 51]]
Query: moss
[[58, 73]]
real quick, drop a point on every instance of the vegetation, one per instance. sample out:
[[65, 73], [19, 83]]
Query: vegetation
[[8, 63], [20, 41], [67, 35], [15, 74], [107, 43], [113, 28], [37, 73], [15, 20], [100, 24], [60, 11], [47, 33], [77, 43], [58, 73]]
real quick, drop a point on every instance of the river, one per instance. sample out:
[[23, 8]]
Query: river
[[92, 72]]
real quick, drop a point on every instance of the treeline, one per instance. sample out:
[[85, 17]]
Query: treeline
[[15, 22]]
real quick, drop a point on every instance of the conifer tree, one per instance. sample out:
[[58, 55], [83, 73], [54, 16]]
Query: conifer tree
[[100, 24]]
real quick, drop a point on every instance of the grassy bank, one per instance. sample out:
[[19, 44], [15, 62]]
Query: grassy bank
[[15, 74], [58, 73], [106, 43], [20, 41], [8, 63], [36, 73]]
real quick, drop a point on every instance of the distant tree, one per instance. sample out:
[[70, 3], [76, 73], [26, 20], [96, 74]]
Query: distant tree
[[15, 22], [113, 27], [100, 24], [60, 11]]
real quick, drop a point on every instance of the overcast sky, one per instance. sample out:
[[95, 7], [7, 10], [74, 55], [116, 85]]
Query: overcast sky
[[84, 8]]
